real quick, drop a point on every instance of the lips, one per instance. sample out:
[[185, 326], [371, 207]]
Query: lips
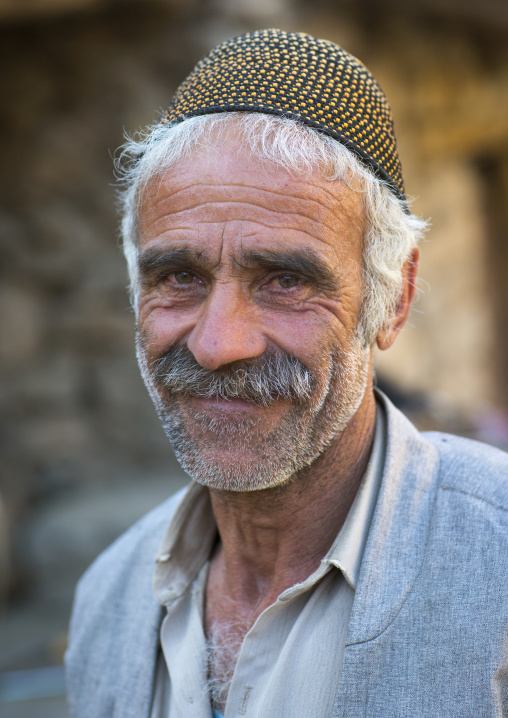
[[235, 408], [219, 404]]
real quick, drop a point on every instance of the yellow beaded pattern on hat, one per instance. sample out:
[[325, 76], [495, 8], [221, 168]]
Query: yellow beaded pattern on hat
[[297, 76]]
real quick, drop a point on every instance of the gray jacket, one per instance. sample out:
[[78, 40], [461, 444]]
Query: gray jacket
[[428, 634]]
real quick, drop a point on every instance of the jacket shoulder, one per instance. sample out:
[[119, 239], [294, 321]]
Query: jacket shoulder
[[135, 547], [472, 468]]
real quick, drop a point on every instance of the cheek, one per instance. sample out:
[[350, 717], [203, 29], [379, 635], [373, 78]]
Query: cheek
[[299, 330], [315, 328], [160, 329], [309, 336]]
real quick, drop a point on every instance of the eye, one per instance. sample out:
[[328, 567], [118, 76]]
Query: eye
[[287, 281], [183, 277]]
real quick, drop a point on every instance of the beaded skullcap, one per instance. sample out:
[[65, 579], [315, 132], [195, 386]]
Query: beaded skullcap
[[297, 76]]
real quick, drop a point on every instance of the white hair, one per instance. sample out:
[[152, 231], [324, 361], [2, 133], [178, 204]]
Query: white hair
[[391, 232]]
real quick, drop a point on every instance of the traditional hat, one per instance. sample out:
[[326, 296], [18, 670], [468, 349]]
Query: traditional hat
[[297, 76]]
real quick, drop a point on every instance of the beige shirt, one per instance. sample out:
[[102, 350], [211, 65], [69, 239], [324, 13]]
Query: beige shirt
[[290, 661]]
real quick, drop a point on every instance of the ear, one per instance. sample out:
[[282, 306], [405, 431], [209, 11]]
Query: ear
[[387, 336]]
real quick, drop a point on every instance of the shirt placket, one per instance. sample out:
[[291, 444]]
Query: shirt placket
[[184, 647]]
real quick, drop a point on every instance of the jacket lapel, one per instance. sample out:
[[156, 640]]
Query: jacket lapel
[[394, 552], [398, 535]]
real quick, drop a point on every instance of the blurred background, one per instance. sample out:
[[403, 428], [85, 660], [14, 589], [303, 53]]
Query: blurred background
[[83, 454]]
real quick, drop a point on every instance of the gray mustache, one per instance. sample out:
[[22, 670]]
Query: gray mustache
[[262, 380]]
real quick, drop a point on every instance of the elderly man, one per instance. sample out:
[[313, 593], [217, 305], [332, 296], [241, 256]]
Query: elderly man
[[327, 559]]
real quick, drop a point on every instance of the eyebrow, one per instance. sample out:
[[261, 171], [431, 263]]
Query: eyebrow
[[153, 262], [305, 263]]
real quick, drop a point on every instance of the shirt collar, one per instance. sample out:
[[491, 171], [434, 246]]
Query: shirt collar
[[186, 546], [346, 552], [192, 532]]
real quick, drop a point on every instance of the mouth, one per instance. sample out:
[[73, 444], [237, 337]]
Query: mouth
[[218, 404]]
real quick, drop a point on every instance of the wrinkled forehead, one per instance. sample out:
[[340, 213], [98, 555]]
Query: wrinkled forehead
[[224, 181]]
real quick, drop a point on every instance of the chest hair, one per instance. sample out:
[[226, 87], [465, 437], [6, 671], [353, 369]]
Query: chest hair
[[224, 641]]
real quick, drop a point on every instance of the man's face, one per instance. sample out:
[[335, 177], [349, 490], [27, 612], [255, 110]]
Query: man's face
[[250, 278]]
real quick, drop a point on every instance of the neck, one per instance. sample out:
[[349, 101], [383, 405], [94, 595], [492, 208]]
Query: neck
[[274, 538]]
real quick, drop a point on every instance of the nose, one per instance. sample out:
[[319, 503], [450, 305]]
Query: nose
[[227, 330]]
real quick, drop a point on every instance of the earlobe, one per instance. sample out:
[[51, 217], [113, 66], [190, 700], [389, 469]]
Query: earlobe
[[387, 336]]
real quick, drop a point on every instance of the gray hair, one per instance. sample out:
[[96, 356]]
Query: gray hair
[[391, 232]]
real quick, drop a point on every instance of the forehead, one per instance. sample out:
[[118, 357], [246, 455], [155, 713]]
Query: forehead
[[223, 190]]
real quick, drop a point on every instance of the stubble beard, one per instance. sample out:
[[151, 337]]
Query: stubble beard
[[269, 458]]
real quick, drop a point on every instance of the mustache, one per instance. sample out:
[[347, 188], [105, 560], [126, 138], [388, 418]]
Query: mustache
[[261, 380]]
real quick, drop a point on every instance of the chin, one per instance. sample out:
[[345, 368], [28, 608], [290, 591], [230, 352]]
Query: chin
[[256, 462], [226, 475]]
